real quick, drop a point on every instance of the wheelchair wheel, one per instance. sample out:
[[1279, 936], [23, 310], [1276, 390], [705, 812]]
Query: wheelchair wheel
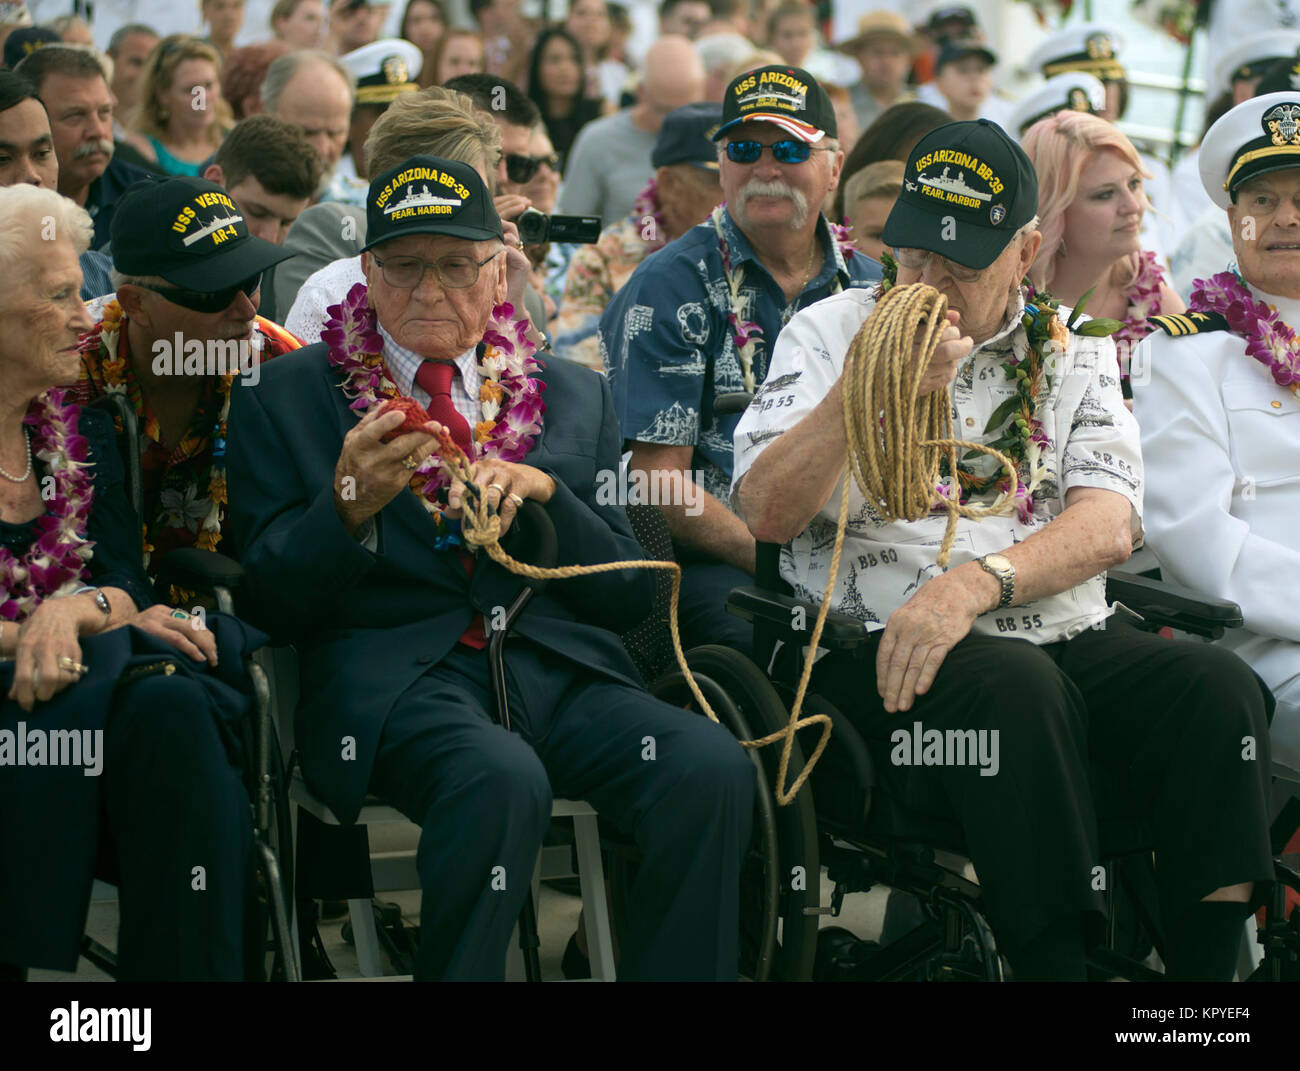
[[780, 876]]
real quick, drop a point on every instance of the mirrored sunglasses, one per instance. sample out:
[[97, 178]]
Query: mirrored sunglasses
[[787, 151]]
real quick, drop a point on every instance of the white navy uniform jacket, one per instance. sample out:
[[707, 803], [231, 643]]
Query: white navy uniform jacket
[[1221, 441]]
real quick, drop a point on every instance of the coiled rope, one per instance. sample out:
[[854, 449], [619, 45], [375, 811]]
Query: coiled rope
[[895, 465]]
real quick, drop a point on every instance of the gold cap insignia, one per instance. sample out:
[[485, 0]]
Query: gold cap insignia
[[1283, 124], [394, 68], [1099, 46]]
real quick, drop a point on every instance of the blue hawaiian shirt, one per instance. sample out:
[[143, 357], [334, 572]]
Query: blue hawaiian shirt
[[669, 351]]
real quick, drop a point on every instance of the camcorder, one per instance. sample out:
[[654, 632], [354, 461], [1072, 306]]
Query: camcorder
[[537, 228]]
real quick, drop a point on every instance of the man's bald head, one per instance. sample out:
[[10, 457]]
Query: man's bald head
[[674, 75]]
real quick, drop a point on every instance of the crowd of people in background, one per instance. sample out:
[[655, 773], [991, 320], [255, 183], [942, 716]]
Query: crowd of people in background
[[678, 188]]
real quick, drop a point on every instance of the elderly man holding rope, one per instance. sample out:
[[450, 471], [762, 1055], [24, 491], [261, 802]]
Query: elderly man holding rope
[[996, 620], [350, 526]]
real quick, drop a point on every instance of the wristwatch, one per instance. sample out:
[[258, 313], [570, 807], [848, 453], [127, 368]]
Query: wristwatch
[[1000, 566], [101, 600]]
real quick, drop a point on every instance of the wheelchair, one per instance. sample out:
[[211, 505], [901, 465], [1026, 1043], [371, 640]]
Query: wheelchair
[[326, 860], [269, 950], [851, 823]]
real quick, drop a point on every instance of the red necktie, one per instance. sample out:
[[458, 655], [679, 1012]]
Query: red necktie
[[435, 378]]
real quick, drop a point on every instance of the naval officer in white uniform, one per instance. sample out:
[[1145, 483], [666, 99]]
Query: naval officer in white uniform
[[1221, 426]]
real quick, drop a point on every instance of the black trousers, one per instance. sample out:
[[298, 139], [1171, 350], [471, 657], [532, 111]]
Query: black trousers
[[167, 820], [702, 606], [680, 784], [179, 836], [1113, 722]]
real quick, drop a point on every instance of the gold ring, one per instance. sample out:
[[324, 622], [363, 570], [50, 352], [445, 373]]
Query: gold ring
[[409, 462], [516, 499], [180, 615], [497, 488], [71, 665]]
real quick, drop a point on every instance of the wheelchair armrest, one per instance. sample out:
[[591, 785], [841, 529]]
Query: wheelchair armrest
[[840, 633], [735, 402], [199, 570], [1162, 603]]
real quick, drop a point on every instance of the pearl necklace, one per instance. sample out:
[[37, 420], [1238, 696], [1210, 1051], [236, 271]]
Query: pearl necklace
[[28, 471]]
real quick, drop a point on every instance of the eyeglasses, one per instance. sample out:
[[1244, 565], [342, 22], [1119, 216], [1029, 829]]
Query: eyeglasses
[[787, 151], [207, 300], [914, 260], [455, 273], [521, 169]]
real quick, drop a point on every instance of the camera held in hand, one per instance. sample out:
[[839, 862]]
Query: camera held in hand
[[537, 228]]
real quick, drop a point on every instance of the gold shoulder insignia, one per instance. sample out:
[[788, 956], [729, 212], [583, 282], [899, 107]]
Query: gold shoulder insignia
[[1189, 323]]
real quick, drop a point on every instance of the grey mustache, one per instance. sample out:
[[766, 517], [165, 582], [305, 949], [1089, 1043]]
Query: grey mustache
[[104, 145]]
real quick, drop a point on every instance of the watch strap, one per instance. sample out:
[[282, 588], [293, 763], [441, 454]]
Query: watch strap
[[1007, 578]]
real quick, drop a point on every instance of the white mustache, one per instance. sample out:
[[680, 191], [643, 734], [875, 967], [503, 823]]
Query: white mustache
[[759, 188], [104, 145]]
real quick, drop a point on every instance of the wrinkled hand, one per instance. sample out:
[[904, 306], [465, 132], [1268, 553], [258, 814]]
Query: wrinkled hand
[[919, 635], [953, 348], [49, 634], [509, 478], [375, 470], [510, 206], [188, 634], [517, 269]]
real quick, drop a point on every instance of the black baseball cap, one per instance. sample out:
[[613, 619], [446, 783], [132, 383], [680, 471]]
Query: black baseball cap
[[967, 188], [684, 136], [190, 232], [954, 50], [22, 43], [790, 97], [430, 195]]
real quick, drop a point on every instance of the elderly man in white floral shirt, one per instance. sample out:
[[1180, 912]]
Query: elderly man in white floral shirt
[[1163, 722]]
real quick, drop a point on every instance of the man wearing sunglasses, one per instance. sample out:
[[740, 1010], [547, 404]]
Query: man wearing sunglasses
[[187, 275], [672, 338]]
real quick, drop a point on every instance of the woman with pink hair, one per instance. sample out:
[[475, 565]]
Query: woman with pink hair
[[1090, 206]]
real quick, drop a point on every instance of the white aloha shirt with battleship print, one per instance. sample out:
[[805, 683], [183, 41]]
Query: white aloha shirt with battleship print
[[1093, 442]]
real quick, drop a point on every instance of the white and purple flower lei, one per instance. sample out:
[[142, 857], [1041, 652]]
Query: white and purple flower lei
[[56, 562], [746, 333], [1269, 338], [511, 401]]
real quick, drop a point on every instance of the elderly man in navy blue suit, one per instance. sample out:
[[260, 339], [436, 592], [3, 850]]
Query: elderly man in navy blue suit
[[353, 547]]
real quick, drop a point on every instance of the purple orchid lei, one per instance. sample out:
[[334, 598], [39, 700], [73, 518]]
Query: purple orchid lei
[[840, 235], [1269, 338], [511, 401], [650, 215], [56, 562]]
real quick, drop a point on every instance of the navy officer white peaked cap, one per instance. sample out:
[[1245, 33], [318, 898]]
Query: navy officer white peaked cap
[[1256, 53], [1094, 47], [1257, 136]]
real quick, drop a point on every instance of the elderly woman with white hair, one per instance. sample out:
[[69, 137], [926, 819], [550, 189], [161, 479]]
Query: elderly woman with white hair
[[116, 739]]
